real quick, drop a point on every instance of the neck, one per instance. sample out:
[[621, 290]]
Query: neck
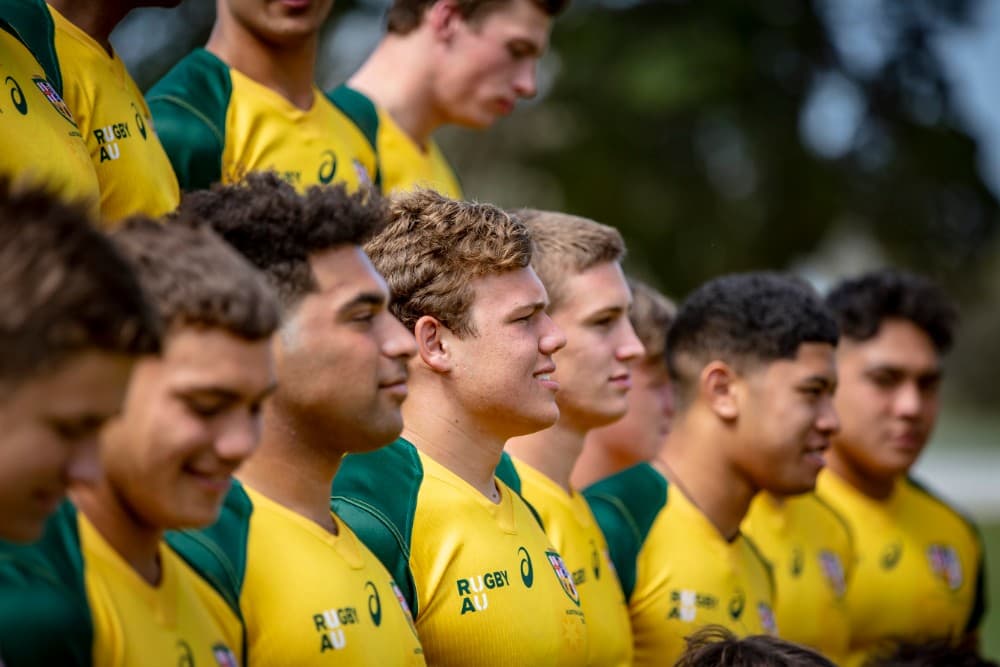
[[403, 92], [458, 442], [97, 19], [714, 486], [289, 71], [137, 542], [595, 463], [553, 452], [294, 467], [873, 486]]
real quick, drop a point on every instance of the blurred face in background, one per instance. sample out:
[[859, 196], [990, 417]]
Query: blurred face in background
[[888, 398]]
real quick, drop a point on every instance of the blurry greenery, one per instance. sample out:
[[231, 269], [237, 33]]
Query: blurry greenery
[[680, 122]]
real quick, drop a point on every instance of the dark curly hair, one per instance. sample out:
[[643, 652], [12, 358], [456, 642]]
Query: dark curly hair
[[744, 317], [194, 278], [715, 646], [862, 303], [278, 229], [64, 288]]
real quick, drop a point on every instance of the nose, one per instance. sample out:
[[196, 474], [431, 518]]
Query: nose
[[827, 421], [630, 348], [238, 437], [526, 79], [553, 339], [84, 465], [908, 400], [398, 342]]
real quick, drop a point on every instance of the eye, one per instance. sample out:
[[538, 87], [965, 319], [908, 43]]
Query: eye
[[74, 430], [203, 407], [519, 50]]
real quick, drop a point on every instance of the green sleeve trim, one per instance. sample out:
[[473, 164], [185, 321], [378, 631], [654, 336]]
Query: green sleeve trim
[[376, 495], [189, 106], [507, 473], [625, 506], [219, 553], [32, 24], [768, 567], [44, 613], [362, 112]]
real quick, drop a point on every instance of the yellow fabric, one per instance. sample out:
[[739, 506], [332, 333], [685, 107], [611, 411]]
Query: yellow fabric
[[689, 576], [134, 173], [917, 562], [812, 557], [518, 609], [571, 526], [266, 131], [406, 166], [41, 142], [137, 624], [313, 598]]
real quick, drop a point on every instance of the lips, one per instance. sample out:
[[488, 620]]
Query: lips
[[621, 381]]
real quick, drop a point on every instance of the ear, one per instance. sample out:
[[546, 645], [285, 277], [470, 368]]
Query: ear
[[442, 17], [433, 344], [718, 388]]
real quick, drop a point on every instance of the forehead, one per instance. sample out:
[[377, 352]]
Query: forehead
[[812, 360], [898, 344], [516, 18], [343, 272], [91, 381], [501, 293], [600, 287], [211, 356]]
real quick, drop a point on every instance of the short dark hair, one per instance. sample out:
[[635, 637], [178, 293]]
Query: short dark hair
[[928, 654], [64, 288], [861, 304], [715, 646], [737, 318], [194, 278], [405, 15], [277, 229]]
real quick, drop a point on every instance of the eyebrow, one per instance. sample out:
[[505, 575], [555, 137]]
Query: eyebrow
[[227, 394], [529, 308], [824, 380], [364, 299], [937, 371]]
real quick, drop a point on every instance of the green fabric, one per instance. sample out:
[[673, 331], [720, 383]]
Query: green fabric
[[625, 506], [189, 110], [508, 474], [31, 22], [364, 115], [44, 615], [376, 495]]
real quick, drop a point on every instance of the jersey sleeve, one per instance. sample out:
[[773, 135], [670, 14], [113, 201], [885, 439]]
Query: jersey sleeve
[[979, 604], [625, 506], [375, 494], [44, 615], [189, 108], [362, 112]]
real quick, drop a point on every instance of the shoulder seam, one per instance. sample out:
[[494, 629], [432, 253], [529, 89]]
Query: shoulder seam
[[183, 104], [382, 518]]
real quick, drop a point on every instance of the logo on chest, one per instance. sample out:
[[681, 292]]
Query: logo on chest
[[330, 624], [833, 570], [565, 578], [890, 556], [474, 591], [686, 603], [946, 565]]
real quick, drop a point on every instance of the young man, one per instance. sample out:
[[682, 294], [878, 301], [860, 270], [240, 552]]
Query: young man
[[132, 169], [919, 574], [42, 143], [248, 102], [102, 587], [72, 318], [307, 589], [444, 62], [638, 436], [751, 357], [578, 261], [483, 580]]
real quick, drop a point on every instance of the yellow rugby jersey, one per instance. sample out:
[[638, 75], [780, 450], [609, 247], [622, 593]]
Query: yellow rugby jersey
[[71, 599], [919, 572], [811, 554], [42, 144], [571, 526], [485, 584], [134, 173], [677, 571], [306, 596], [403, 164], [217, 124]]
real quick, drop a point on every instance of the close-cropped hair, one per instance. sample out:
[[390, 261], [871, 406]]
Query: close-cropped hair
[[715, 646], [278, 229], [651, 315], [65, 289], [928, 654], [194, 278], [861, 304], [405, 15], [566, 245], [433, 247], [743, 319]]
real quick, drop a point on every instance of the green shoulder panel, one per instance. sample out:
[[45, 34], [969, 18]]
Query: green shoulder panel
[[364, 115], [376, 495], [44, 614], [219, 553], [625, 506], [508, 474], [32, 24], [189, 107]]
